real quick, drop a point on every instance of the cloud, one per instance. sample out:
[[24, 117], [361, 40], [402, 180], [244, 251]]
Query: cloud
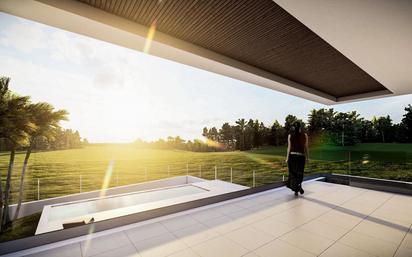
[[64, 46], [108, 78], [44, 83], [24, 36]]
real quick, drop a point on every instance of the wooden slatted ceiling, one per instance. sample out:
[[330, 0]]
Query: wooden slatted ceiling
[[259, 33]]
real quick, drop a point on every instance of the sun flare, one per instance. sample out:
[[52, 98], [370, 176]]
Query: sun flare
[[149, 37]]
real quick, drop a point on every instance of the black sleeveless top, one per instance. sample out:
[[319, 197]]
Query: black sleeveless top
[[297, 142]]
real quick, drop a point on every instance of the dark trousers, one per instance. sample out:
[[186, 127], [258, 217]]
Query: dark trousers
[[296, 166]]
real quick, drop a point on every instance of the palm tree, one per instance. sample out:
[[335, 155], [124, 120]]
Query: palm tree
[[46, 122], [14, 128]]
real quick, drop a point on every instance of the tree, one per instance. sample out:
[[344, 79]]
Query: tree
[[46, 121], [178, 143], [15, 126], [383, 126], [226, 135], [367, 131], [345, 128], [406, 124], [257, 134], [205, 132], [240, 134], [262, 134], [213, 134], [4, 87], [320, 123], [290, 120], [85, 142], [249, 135], [277, 134], [63, 139], [321, 119]]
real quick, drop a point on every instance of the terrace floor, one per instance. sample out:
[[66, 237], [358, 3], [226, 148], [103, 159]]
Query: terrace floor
[[329, 220]]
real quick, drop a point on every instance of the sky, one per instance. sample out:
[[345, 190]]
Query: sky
[[115, 94]]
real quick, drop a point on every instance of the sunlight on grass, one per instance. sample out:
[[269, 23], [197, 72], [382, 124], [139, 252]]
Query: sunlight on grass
[[105, 166], [107, 178]]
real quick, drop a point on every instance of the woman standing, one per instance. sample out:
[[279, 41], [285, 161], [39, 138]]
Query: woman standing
[[296, 157]]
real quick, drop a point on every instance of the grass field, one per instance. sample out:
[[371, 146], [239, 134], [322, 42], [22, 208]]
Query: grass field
[[60, 172]]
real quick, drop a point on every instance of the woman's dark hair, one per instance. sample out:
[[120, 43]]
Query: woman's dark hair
[[297, 128]]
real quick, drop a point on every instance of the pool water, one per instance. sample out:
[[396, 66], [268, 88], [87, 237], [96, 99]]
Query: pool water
[[70, 210]]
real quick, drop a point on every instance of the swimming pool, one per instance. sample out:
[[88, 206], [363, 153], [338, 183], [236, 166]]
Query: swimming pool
[[76, 209], [135, 199]]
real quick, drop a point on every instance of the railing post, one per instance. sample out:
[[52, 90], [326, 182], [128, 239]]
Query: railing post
[[231, 175], [215, 172], [80, 183], [253, 178], [187, 169], [38, 189], [283, 176]]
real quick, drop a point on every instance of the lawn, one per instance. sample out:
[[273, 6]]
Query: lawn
[[21, 228], [60, 172]]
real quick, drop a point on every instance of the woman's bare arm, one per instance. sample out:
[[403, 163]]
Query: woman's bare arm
[[288, 151]]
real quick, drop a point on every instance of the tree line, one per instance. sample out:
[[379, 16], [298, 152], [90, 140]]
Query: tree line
[[324, 126], [27, 126], [177, 143], [62, 139]]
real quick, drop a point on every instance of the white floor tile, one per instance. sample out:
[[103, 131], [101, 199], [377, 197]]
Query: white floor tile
[[251, 254], [179, 222], [72, 250], [246, 203], [124, 251], [273, 227], [104, 243], [340, 219], [385, 230], [293, 217], [407, 241], [219, 246], [249, 237], [146, 231], [340, 250], [279, 248], [223, 225], [307, 241], [393, 216], [228, 208], [159, 246], [272, 224], [184, 253], [206, 214], [195, 234], [369, 244], [403, 252], [324, 229], [246, 216]]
